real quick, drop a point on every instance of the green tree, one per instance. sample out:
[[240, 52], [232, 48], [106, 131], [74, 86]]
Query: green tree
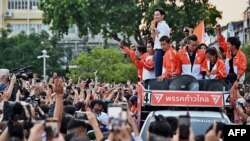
[[110, 64], [128, 17], [22, 50]]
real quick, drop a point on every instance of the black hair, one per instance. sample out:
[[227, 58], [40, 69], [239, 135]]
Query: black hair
[[67, 102], [133, 99], [150, 41], [69, 136], [96, 102], [212, 51], [234, 41], [165, 38], [219, 127], [192, 38], [65, 120], [162, 12], [70, 109], [202, 44], [85, 138], [200, 138], [45, 108], [160, 127], [173, 122], [73, 123], [142, 49], [16, 130]]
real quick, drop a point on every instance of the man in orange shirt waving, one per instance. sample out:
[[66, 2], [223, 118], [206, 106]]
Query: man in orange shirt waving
[[236, 61]]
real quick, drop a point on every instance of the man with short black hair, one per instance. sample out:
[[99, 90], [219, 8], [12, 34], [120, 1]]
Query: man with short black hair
[[79, 128], [162, 29], [236, 61], [97, 107], [169, 59], [190, 59]]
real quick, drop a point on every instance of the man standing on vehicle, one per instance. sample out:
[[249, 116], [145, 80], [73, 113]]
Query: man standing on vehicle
[[169, 59], [190, 58], [161, 29], [236, 61]]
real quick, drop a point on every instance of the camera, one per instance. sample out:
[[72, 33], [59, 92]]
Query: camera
[[81, 116], [23, 73], [240, 102]]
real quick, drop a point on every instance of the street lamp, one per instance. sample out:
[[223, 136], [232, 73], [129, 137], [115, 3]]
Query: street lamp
[[44, 56]]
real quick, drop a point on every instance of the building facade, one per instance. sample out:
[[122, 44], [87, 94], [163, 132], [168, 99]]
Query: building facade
[[246, 25], [21, 16]]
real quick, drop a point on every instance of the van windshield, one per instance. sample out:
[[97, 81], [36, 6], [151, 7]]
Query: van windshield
[[199, 124]]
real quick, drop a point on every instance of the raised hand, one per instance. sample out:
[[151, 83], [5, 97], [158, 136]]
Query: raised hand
[[59, 86]]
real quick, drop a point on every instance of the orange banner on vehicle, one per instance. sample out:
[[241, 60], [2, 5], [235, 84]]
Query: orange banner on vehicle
[[186, 98]]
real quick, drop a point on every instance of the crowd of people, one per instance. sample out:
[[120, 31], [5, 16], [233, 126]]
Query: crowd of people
[[57, 109]]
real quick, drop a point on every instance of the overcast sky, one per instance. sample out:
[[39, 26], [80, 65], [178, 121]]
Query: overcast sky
[[232, 10]]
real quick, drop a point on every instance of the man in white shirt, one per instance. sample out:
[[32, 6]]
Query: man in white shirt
[[161, 29]]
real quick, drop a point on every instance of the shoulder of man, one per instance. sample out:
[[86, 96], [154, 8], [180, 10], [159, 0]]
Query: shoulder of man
[[163, 24]]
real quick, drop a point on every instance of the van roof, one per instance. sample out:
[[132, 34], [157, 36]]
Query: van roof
[[207, 114]]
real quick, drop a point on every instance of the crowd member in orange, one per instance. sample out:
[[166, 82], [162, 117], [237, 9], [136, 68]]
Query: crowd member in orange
[[190, 58], [129, 51], [213, 67], [146, 61], [236, 61], [169, 59]]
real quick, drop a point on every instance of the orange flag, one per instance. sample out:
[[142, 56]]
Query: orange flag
[[199, 31]]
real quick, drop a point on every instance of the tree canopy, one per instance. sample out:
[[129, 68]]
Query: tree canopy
[[22, 50], [127, 17], [110, 64]]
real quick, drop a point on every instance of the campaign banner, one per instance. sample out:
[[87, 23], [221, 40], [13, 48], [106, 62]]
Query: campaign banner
[[187, 98]]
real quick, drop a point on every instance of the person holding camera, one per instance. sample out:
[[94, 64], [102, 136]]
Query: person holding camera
[[242, 107]]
